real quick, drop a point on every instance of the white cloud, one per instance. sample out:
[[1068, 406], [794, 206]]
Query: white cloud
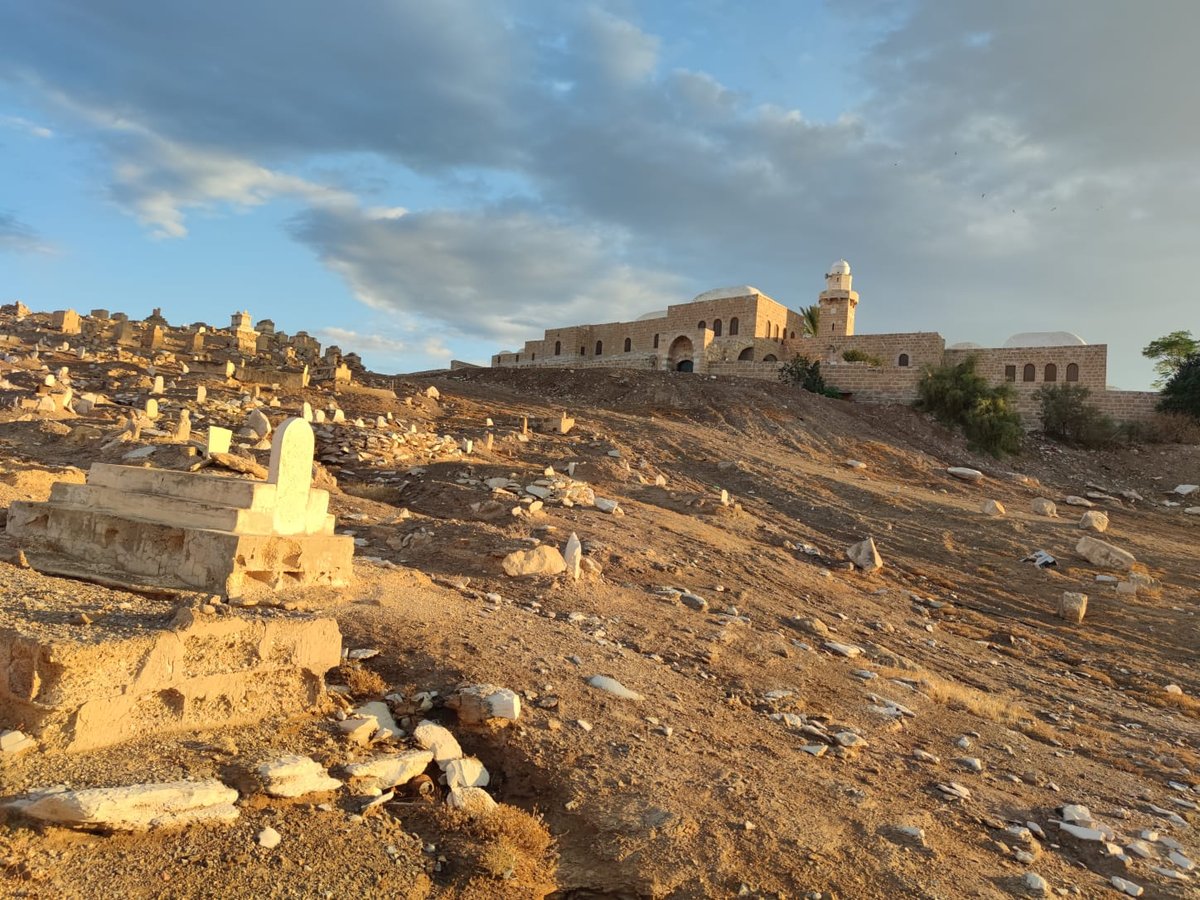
[[17, 123]]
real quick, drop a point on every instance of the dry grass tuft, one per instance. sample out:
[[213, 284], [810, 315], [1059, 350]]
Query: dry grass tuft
[[361, 680], [1189, 706], [512, 852]]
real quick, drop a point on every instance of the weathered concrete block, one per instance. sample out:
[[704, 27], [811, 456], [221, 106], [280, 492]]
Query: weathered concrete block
[[1072, 606], [1100, 553], [137, 807]]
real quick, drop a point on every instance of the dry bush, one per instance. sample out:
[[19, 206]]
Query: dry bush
[[378, 493], [1170, 428], [1189, 706], [361, 680], [993, 707], [511, 851]]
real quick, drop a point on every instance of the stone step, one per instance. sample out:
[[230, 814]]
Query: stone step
[[149, 507], [215, 490]]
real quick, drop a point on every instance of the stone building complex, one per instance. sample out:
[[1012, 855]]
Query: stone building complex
[[741, 331]]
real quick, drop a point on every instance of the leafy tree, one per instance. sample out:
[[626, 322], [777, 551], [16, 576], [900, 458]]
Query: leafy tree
[[1181, 393], [1068, 416], [806, 373], [1170, 351], [959, 396], [861, 356], [811, 320]]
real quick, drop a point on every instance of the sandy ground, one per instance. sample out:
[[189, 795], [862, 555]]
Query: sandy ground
[[702, 788]]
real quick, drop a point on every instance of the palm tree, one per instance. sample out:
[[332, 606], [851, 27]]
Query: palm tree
[[810, 316]]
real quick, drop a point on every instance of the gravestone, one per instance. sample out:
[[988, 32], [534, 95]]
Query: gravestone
[[290, 471], [201, 393], [152, 409], [218, 440]]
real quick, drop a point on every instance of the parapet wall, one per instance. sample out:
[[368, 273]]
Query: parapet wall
[[1028, 368]]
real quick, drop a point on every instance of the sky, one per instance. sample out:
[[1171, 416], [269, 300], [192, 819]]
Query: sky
[[420, 181]]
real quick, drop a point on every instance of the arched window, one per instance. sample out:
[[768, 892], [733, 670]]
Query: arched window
[[770, 357], [1051, 373], [599, 347], [716, 327], [902, 362], [793, 335], [746, 355], [1072, 372], [558, 348], [656, 342], [1030, 372], [701, 325], [628, 344], [733, 326]]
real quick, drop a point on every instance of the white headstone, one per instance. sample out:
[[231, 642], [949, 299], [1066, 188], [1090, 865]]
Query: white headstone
[[158, 385], [151, 408], [291, 473], [339, 415], [319, 416], [201, 393], [306, 411], [258, 422], [218, 440]]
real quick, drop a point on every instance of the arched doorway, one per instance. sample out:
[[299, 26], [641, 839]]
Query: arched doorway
[[746, 355], [680, 354]]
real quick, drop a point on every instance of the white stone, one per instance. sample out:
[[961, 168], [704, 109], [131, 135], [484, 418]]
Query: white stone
[[13, 742], [395, 769], [1074, 812], [865, 556], [474, 801], [573, 555], [478, 703], [291, 473], [541, 560], [1072, 606], [965, 474], [1126, 887], [218, 440], [201, 393], [159, 387], [1035, 883], [258, 423], [614, 687], [1100, 553], [608, 506], [1094, 520], [296, 776], [152, 409], [438, 741], [1186, 490], [1044, 507], [137, 807], [466, 772], [847, 650], [992, 508], [269, 838], [306, 411]]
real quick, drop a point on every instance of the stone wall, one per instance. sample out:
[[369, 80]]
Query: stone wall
[[1009, 364]]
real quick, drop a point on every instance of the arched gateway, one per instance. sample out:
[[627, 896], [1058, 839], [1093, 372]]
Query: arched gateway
[[680, 354]]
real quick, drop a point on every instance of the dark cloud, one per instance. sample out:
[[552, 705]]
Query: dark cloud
[[1006, 166]]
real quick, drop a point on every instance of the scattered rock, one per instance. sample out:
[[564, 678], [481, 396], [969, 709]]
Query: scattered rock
[[395, 769], [1101, 553], [479, 703], [992, 508], [1094, 520], [438, 741], [865, 556], [614, 687], [136, 807], [1044, 507], [269, 838], [296, 776], [1072, 606], [474, 801], [541, 560], [964, 474]]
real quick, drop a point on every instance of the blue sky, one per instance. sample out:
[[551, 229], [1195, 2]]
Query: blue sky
[[421, 180]]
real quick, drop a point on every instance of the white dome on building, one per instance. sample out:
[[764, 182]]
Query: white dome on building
[[741, 290], [657, 314], [965, 345], [841, 267], [1045, 339]]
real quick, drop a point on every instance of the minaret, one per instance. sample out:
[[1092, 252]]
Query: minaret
[[838, 302]]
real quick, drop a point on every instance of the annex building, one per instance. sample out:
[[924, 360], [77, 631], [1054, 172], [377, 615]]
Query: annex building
[[741, 331]]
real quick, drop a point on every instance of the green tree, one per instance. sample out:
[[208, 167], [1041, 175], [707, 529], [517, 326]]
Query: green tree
[[806, 373], [1067, 416], [959, 396], [1169, 352], [1181, 393], [811, 320]]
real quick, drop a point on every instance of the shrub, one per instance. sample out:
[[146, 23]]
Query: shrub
[[806, 373], [1181, 393], [1067, 416], [959, 396], [1169, 428], [861, 356]]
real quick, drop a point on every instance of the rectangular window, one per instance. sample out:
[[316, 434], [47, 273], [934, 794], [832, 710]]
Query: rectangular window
[[656, 342], [1010, 373]]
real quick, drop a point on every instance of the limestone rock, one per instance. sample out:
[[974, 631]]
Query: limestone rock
[[438, 741], [479, 703], [1035, 884], [295, 776], [1072, 606], [258, 423], [541, 560], [269, 838], [466, 772], [614, 687], [865, 556], [1127, 887], [1044, 507], [474, 801], [394, 769], [1100, 553], [1094, 520], [573, 556], [13, 742], [137, 807], [961, 472], [992, 508]]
